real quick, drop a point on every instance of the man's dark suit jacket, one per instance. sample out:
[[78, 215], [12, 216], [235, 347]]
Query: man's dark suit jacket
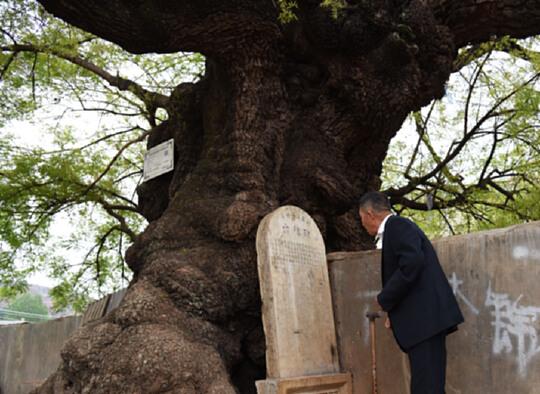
[[416, 293]]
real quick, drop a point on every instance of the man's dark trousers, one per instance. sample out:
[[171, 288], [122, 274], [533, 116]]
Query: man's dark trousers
[[428, 366]]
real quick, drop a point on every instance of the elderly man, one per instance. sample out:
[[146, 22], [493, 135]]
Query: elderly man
[[416, 294]]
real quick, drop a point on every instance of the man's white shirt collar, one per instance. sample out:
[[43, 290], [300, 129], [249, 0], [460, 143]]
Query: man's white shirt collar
[[380, 232]]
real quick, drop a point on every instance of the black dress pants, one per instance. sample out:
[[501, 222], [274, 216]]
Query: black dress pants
[[428, 365]]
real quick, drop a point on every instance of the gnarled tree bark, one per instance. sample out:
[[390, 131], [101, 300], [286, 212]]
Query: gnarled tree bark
[[299, 113]]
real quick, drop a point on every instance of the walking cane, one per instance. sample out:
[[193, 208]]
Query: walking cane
[[372, 316]]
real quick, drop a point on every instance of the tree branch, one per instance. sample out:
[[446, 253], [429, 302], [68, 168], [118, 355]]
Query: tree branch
[[116, 156], [414, 182], [7, 64], [151, 99], [420, 130], [170, 26], [101, 244], [506, 44], [123, 224], [474, 21], [472, 85], [448, 224]]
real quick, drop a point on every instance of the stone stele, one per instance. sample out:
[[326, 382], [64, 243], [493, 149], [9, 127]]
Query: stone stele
[[297, 307], [324, 384]]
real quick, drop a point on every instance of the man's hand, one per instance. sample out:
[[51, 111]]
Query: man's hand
[[387, 323]]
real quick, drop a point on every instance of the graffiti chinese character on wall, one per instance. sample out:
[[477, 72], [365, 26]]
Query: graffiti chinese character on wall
[[514, 324]]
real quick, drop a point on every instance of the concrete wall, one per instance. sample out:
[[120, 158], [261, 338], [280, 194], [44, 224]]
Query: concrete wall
[[496, 278], [495, 275], [29, 353]]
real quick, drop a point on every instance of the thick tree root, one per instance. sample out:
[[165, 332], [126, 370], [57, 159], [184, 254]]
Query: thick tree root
[[146, 346]]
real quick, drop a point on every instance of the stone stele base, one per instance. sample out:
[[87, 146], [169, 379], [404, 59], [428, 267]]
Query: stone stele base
[[318, 384]]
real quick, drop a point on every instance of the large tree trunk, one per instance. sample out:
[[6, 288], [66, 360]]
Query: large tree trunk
[[302, 115]]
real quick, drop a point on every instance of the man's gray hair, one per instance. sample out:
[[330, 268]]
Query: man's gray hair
[[375, 200]]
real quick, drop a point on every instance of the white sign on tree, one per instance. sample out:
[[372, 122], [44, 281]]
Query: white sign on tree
[[158, 160]]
